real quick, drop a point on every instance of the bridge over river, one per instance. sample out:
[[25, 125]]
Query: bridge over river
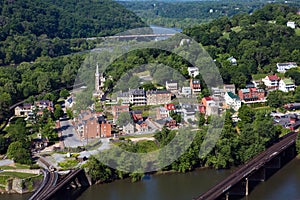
[[258, 169]]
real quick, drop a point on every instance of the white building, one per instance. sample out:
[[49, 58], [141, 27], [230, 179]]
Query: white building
[[232, 60], [291, 25], [172, 86], [283, 67], [286, 85], [186, 91], [193, 71], [233, 101], [128, 128], [272, 82], [133, 96]]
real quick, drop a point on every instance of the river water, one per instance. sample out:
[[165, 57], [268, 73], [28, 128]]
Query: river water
[[285, 184]]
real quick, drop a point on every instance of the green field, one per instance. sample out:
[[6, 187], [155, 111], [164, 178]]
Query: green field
[[16, 175]]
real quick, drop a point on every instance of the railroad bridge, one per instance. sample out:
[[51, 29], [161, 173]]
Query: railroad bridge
[[260, 168], [52, 186]]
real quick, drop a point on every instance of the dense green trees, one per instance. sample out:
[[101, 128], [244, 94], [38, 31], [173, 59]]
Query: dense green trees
[[253, 40], [30, 29]]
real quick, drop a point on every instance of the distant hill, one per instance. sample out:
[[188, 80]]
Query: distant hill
[[33, 28], [64, 18]]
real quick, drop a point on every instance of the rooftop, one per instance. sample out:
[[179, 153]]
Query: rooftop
[[288, 81]]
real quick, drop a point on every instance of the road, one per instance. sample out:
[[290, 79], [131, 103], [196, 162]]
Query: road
[[69, 135]]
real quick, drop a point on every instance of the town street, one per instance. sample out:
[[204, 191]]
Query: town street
[[69, 136]]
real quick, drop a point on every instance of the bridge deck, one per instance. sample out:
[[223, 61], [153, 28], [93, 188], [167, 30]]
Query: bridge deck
[[252, 165]]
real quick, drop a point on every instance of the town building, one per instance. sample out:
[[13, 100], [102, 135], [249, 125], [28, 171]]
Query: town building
[[251, 95], [283, 67], [186, 91], [193, 71], [217, 92], [286, 85], [133, 96], [170, 106], [162, 112], [24, 110], [142, 127], [117, 109], [99, 84], [195, 86], [232, 60], [271, 82], [157, 97], [128, 129], [229, 88], [172, 86], [291, 24], [137, 115], [89, 125], [233, 101]]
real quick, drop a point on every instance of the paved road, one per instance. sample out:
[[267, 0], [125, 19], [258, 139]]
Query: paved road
[[6, 162], [70, 137]]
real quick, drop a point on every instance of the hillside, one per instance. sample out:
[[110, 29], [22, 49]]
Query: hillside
[[257, 41], [34, 28]]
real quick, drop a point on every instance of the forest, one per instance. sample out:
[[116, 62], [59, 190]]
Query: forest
[[31, 28], [185, 14]]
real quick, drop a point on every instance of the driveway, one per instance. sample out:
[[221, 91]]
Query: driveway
[[69, 135]]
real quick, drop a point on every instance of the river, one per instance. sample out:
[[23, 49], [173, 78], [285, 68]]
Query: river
[[285, 184]]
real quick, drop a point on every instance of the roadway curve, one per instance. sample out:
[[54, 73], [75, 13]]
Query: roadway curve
[[251, 166]]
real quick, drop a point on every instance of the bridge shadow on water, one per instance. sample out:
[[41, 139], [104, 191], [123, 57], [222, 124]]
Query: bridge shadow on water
[[69, 193]]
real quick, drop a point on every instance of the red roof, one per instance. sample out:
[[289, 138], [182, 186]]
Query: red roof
[[208, 98], [273, 78]]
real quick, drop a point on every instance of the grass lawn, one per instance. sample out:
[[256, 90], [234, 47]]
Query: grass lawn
[[3, 179], [17, 174], [16, 166], [68, 164]]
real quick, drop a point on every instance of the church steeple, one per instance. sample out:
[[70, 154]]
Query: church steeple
[[97, 76]]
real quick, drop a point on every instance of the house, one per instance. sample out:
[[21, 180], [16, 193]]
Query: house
[[157, 97], [116, 110], [24, 110], [189, 114], [286, 85], [271, 82], [89, 125], [162, 112], [292, 106], [69, 102], [105, 129], [142, 127], [233, 101], [290, 121], [195, 86], [283, 67], [229, 88], [186, 91], [44, 104], [232, 60], [170, 106], [133, 96], [137, 115], [291, 24], [217, 92], [193, 71], [251, 95], [172, 86], [128, 129], [206, 100]]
